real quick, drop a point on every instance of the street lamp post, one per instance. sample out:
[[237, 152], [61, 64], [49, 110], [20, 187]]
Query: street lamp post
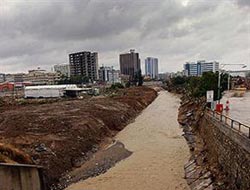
[[218, 95], [228, 82]]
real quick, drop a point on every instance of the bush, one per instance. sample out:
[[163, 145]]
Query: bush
[[116, 86], [197, 87]]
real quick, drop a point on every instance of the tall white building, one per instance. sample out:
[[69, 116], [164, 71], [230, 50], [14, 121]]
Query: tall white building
[[109, 75], [206, 66], [151, 67], [193, 69], [200, 67], [104, 73], [62, 69]]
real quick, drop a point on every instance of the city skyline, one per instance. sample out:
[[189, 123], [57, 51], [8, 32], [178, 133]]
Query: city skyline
[[34, 35]]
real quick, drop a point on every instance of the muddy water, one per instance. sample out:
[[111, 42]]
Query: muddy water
[[159, 152], [239, 107]]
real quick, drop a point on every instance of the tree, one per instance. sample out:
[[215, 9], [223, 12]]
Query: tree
[[140, 78], [137, 79], [117, 85], [197, 87], [179, 80], [64, 80], [193, 87], [79, 79], [209, 81]]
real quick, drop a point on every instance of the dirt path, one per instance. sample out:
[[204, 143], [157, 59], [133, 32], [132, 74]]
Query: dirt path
[[159, 152]]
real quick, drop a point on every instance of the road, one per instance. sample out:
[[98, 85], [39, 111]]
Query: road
[[239, 107], [159, 152]]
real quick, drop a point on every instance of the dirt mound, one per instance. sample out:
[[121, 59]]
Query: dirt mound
[[56, 134], [9, 154]]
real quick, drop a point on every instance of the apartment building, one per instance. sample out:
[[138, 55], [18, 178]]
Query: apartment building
[[151, 67], [84, 64], [130, 63]]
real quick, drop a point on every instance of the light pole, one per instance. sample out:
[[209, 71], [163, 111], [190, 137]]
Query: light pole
[[228, 82], [113, 79]]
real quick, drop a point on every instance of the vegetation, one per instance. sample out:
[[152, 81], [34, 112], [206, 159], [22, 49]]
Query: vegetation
[[116, 86], [197, 87], [138, 79]]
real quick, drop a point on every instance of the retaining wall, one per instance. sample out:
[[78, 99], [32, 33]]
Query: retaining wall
[[21, 177], [229, 149]]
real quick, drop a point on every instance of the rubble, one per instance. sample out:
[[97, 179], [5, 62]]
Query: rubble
[[196, 172], [199, 172]]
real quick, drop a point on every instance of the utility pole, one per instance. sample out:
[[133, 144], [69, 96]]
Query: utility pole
[[112, 70], [218, 95]]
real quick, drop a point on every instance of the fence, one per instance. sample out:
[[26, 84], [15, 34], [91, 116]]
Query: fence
[[231, 123]]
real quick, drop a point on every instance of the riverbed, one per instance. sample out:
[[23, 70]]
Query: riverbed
[[159, 152]]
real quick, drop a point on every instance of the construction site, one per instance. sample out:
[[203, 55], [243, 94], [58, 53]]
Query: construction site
[[62, 134]]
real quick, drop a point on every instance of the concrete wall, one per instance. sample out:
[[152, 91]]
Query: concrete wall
[[20, 177], [229, 149]]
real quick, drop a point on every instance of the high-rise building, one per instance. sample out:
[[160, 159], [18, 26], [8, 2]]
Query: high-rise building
[[104, 73], [200, 67], [109, 75], [84, 64], [191, 69], [130, 63], [151, 67], [208, 66], [114, 77], [63, 69]]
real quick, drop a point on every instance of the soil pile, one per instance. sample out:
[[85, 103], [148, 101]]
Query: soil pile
[[9, 154], [58, 135]]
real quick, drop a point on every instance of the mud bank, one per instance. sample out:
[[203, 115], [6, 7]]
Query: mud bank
[[61, 136]]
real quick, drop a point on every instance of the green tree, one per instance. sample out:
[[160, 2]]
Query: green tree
[[79, 79], [137, 80], [64, 80], [140, 78], [178, 81], [197, 87]]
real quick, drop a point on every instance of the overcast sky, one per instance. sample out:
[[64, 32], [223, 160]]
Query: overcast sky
[[41, 33]]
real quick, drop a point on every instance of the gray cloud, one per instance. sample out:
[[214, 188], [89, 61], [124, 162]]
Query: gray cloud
[[244, 3], [43, 33]]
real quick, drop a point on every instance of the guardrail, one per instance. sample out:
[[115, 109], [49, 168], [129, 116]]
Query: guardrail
[[231, 123]]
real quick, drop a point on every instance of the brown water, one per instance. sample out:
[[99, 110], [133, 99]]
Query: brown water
[[239, 107], [159, 152]]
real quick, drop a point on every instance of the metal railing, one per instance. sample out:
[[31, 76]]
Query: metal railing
[[231, 123]]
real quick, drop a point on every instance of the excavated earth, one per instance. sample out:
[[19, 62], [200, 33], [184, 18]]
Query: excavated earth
[[59, 135]]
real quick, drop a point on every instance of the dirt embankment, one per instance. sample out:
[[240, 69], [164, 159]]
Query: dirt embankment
[[61, 135]]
